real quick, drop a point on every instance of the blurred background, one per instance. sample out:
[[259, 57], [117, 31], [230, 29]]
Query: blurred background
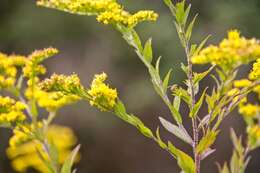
[[86, 48]]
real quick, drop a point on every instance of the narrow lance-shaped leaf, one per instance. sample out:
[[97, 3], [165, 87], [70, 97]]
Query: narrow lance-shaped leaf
[[179, 132], [190, 28], [67, 166], [206, 141], [177, 102], [185, 162], [171, 6], [180, 12], [148, 52], [201, 45], [157, 67], [47, 163], [166, 80], [199, 76], [197, 106], [159, 140], [186, 14]]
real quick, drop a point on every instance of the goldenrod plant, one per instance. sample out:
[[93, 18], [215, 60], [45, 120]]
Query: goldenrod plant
[[36, 142], [34, 139]]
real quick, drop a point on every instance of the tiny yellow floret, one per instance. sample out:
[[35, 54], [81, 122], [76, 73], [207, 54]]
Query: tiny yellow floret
[[102, 96]]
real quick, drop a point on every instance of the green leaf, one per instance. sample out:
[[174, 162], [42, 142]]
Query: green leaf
[[175, 113], [159, 140], [186, 14], [183, 94], [206, 141], [145, 130], [171, 6], [67, 166], [148, 52], [190, 28], [199, 76], [184, 68], [120, 111], [180, 12], [47, 163], [177, 102], [166, 80], [193, 49], [184, 161], [235, 163], [201, 45], [157, 67], [197, 106], [177, 131], [224, 169]]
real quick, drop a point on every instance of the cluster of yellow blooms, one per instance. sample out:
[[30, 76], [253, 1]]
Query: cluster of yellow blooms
[[11, 111], [107, 11], [8, 69], [23, 133], [51, 101], [255, 74], [25, 144], [230, 53], [25, 155], [250, 112], [254, 135], [67, 84], [101, 94], [32, 67]]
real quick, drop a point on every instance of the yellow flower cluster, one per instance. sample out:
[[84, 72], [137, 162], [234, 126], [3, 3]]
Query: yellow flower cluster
[[11, 111], [51, 101], [107, 11], [8, 69], [254, 136], [249, 110], [23, 133], [255, 74], [102, 96], [67, 84], [25, 156], [230, 53], [32, 67]]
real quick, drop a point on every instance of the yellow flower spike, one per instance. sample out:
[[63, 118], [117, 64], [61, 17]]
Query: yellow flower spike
[[230, 53], [242, 83], [11, 111], [249, 110], [107, 11], [254, 136], [32, 66], [255, 74], [24, 154], [102, 96], [8, 66], [67, 84]]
